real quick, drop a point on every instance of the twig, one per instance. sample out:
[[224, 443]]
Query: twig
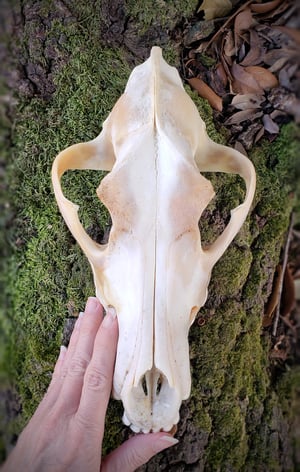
[[284, 264], [226, 23]]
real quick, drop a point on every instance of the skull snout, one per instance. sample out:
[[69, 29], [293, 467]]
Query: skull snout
[[154, 401]]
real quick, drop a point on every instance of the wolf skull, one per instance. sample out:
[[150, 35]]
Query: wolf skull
[[153, 270]]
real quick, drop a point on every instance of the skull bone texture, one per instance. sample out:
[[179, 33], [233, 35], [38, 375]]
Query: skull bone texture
[[153, 271]]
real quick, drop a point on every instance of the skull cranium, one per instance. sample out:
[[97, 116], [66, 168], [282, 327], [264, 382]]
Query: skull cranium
[[153, 271]]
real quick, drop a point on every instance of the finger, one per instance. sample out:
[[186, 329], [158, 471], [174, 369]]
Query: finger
[[72, 346], [61, 367], [98, 378], [136, 451], [54, 387], [77, 363]]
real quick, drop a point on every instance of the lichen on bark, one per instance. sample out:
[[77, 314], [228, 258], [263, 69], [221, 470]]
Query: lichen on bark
[[75, 64]]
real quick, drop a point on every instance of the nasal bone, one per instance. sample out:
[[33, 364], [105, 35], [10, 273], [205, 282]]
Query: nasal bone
[[152, 382]]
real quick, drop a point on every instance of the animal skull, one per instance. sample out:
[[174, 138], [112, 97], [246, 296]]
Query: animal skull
[[153, 270]]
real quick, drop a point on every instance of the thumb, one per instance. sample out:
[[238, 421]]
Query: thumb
[[136, 451]]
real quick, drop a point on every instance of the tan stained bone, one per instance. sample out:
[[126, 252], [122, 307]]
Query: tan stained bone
[[153, 270]]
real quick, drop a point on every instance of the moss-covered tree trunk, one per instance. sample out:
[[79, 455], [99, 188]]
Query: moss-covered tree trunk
[[71, 63]]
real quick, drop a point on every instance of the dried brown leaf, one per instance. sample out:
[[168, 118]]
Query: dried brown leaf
[[286, 74], [226, 67], [229, 47], [256, 52], [286, 101], [278, 65], [206, 92], [239, 147], [247, 137], [273, 299], [281, 348], [243, 115], [243, 81], [218, 82], [262, 8], [247, 101], [270, 57], [277, 114], [259, 134], [291, 32], [215, 8], [220, 72], [288, 293], [243, 21], [270, 125], [297, 289], [263, 77]]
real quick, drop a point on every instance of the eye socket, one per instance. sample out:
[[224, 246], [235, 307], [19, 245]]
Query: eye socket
[[79, 186]]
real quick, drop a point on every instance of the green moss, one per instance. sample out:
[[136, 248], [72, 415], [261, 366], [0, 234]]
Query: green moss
[[231, 382], [162, 13]]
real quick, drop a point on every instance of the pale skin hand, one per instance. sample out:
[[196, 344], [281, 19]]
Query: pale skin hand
[[66, 431]]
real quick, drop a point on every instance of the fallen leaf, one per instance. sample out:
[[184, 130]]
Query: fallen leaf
[[257, 50], [243, 81], [216, 81], [291, 32], [243, 21], [220, 71], [264, 7], [239, 147], [273, 299], [281, 348], [243, 115], [247, 137], [284, 100], [206, 92], [229, 47], [288, 299], [277, 114], [297, 289], [270, 125], [259, 134], [273, 55], [226, 67], [215, 8], [263, 77], [286, 74], [279, 64], [247, 101]]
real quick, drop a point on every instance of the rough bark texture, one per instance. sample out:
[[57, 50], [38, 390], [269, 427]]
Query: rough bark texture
[[70, 64]]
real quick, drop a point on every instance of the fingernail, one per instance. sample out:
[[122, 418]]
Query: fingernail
[[110, 316], [166, 441], [92, 303], [62, 353], [79, 319]]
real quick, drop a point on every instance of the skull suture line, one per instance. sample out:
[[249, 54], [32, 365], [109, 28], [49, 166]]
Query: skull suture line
[[153, 270]]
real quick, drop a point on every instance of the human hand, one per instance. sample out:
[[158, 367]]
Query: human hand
[[66, 431]]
